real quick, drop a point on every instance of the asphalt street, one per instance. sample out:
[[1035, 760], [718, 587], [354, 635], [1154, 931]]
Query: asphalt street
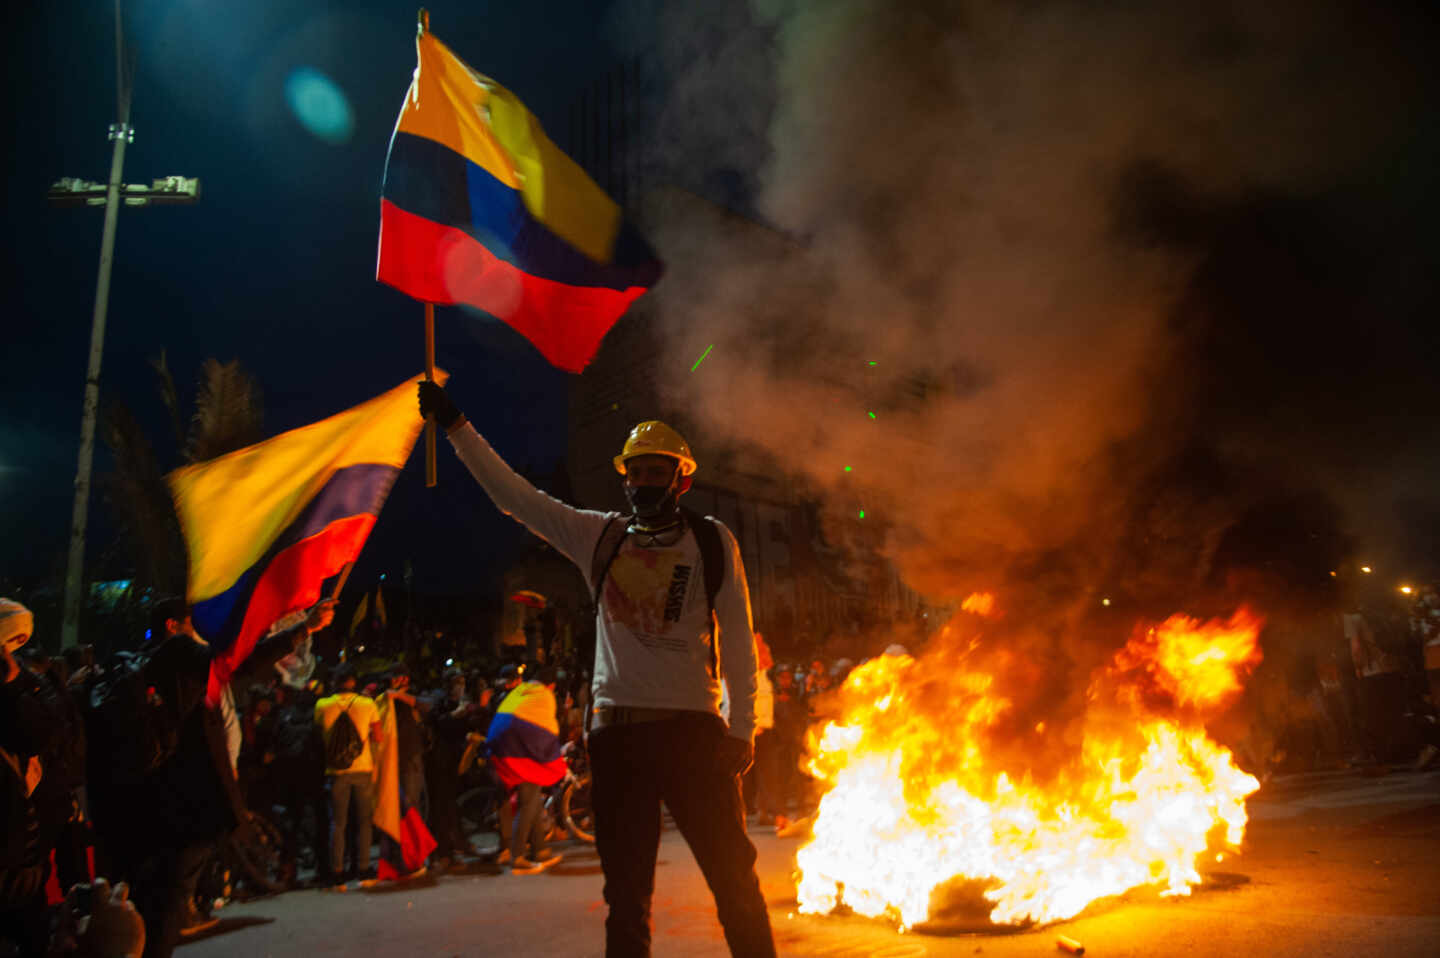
[[1341, 863]]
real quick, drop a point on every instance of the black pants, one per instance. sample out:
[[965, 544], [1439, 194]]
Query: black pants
[[297, 786], [1382, 706], [635, 768], [160, 885], [442, 790]]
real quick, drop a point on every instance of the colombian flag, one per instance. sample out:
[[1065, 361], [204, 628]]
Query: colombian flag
[[267, 524], [479, 207], [524, 737]]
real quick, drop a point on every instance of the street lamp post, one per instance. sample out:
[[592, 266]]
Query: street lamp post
[[72, 192]]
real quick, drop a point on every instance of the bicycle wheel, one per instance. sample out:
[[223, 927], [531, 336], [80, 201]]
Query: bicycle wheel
[[575, 810], [255, 847], [479, 810]]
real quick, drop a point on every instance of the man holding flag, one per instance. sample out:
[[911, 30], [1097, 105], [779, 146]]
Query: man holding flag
[[673, 619]]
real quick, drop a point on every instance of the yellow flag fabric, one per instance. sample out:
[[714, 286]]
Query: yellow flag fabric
[[475, 116], [385, 778], [232, 509]]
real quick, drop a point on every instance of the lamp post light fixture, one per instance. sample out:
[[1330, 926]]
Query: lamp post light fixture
[[171, 190]]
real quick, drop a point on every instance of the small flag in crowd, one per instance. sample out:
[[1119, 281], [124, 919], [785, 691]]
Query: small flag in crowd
[[364, 614], [266, 525], [479, 207]]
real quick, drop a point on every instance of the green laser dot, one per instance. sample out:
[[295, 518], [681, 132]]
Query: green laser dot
[[871, 415], [848, 468], [702, 357], [872, 363], [862, 513]]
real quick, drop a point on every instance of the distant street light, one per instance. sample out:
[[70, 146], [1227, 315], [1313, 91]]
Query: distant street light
[[76, 192], [168, 191], [1365, 569]]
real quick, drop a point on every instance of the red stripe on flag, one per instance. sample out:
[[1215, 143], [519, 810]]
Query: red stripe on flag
[[442, 264], [513, 771], [291, 581]]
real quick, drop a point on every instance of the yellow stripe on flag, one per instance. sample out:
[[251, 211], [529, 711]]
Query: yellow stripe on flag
[[447, 103], [450, 103], [259, 490]]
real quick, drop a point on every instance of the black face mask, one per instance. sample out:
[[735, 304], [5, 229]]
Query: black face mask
[[653, 502]]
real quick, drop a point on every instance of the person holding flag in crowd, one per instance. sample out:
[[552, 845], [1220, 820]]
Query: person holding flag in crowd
[[399, 780], [524, 743]]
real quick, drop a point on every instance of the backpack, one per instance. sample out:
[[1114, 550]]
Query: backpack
[[345, 744], [295, 730], [131, 722], [712, 559]]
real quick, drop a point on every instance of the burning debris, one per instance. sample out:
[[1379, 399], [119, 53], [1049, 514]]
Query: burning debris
[[923, 803]]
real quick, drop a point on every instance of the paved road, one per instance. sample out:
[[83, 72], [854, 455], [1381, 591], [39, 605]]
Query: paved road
[[1336, 864]]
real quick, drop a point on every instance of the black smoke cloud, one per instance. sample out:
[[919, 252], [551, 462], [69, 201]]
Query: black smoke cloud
[[1124, 285]]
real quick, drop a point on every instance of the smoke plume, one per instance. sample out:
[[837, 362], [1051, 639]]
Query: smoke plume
[[997, 301]]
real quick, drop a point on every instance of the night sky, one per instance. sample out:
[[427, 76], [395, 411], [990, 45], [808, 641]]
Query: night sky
[[274, 267], [1167, 270]]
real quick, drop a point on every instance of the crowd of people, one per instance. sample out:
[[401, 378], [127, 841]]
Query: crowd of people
[[1375, 687], [121, 782], [125, 770]]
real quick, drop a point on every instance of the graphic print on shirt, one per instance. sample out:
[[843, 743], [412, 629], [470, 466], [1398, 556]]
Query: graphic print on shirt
[[647, 590]]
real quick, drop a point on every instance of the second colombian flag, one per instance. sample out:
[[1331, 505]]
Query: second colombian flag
[[479, 207]]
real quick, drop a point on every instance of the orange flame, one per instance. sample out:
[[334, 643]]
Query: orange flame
[[916, 800], [980, 603]]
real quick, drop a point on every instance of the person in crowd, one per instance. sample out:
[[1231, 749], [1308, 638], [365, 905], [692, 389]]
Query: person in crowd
[[400, 780], [159, 818], [1381, 687], [410, 739], [457, 689], [451, 721], [1334, 679], [26, 732], [790, 717], [669, 626], [256, 760], [297, 780], [524, 746], [507, 679], [59, 796], [761, 797], [350, 789], [817, 680]]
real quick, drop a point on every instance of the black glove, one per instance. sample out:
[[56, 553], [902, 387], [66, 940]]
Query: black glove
[[736, 755], [434, 402]]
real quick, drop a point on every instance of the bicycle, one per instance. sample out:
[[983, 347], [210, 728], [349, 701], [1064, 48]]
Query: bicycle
[[566, 811], [248, 861]]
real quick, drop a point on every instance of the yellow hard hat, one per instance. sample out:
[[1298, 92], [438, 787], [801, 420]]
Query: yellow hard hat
[[654, 438]]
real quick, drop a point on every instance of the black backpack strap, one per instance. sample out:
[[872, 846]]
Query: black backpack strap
[[712, 552], [607, 547]]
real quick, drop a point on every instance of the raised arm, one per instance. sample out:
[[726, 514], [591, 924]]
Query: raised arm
[[572, 531]]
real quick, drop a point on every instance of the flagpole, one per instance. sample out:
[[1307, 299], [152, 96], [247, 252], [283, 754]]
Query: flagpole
[[430, 375], [340, 583], [422, 26]]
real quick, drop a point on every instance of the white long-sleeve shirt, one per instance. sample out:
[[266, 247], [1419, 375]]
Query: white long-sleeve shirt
[[654, 632]]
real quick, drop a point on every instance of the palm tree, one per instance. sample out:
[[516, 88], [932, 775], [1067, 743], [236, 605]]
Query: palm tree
[[227, 416]]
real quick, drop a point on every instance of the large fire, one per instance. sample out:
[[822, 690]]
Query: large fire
[[916, 802]]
